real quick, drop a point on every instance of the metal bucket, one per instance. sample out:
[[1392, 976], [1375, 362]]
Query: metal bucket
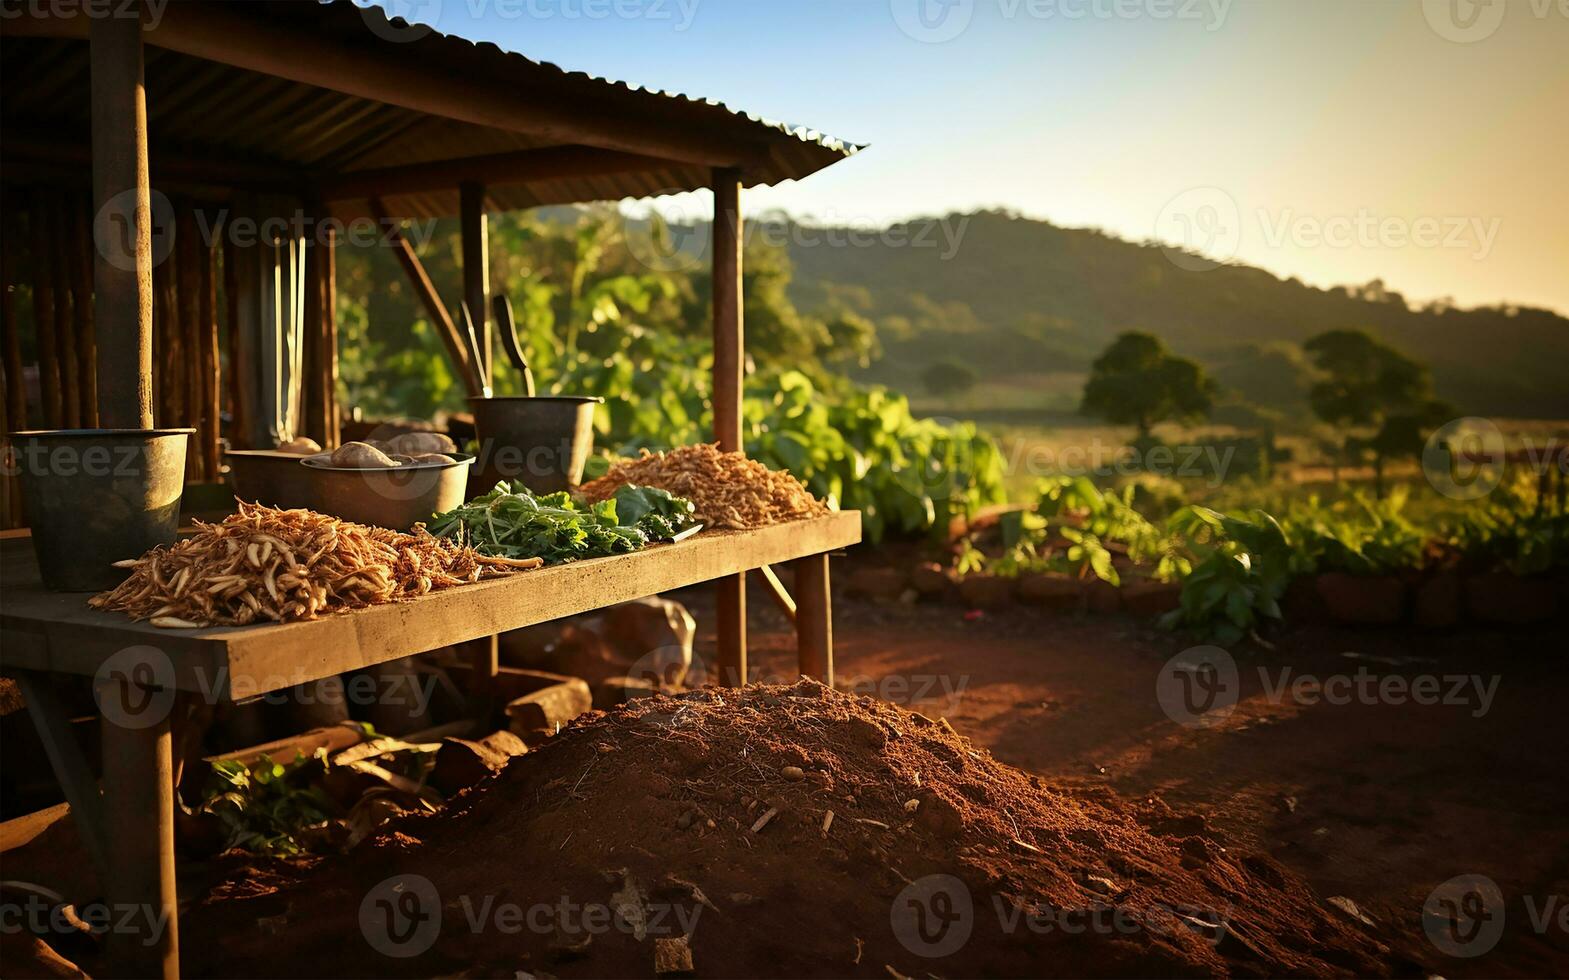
[[97, 496], [395, 498], [267, 476], [541, 442]]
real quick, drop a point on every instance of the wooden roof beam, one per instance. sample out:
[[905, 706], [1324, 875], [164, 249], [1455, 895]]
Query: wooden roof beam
[[492, 169]]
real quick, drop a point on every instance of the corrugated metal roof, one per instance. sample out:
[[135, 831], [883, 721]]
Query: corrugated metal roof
[[246, 122]]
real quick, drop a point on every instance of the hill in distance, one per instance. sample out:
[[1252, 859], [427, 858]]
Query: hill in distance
[[1022, 302]]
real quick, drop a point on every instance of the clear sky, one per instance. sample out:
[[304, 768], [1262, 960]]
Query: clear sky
[[1421, 141]]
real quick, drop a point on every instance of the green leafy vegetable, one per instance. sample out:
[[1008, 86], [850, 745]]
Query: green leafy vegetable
[[514, 523]]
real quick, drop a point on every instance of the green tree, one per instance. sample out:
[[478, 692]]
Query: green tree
[[1380, 399], [948, 377], [1138, 382]]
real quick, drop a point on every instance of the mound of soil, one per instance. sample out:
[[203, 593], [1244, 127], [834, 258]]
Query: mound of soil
[[690, 835]]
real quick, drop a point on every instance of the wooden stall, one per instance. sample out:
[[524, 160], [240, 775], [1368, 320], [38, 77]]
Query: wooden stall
[[300, 116]]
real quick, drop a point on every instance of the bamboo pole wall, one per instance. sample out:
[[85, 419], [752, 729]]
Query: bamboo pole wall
[[48, 343]]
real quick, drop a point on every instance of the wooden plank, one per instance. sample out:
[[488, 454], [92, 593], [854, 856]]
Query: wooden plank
[[45, 346], [123, 266], [207, 361], [58, 248], [10, 336], [329, 325], [43, 630], [814, 628], [239, 421], [475, 237], [82, 306], [500, 169]]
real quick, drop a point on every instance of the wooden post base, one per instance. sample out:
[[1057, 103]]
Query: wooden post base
[[730, 623], [139, 785], [814, 628]]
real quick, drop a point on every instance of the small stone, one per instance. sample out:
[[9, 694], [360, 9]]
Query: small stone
[[685, 820], [910, 806], [793, 773], [672, 957]]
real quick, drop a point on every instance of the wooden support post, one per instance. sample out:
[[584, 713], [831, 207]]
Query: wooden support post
[[814, 628], [729, 345], [475, 233], [329, 323], [122, 224], [139, 793], [457, 347]]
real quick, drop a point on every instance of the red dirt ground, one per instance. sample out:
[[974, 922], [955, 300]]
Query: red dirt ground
[[710, 807], [1377, 802]]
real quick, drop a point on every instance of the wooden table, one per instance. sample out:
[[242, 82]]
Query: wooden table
[[129, 825]]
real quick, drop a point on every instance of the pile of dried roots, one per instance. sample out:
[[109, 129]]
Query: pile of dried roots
[[264, 564]]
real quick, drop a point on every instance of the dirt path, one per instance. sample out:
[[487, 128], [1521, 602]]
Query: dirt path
[[1377, 798]]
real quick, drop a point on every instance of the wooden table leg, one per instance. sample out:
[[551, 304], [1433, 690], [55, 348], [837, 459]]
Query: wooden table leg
[[139, 803], [730, 623], [814, 626]]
